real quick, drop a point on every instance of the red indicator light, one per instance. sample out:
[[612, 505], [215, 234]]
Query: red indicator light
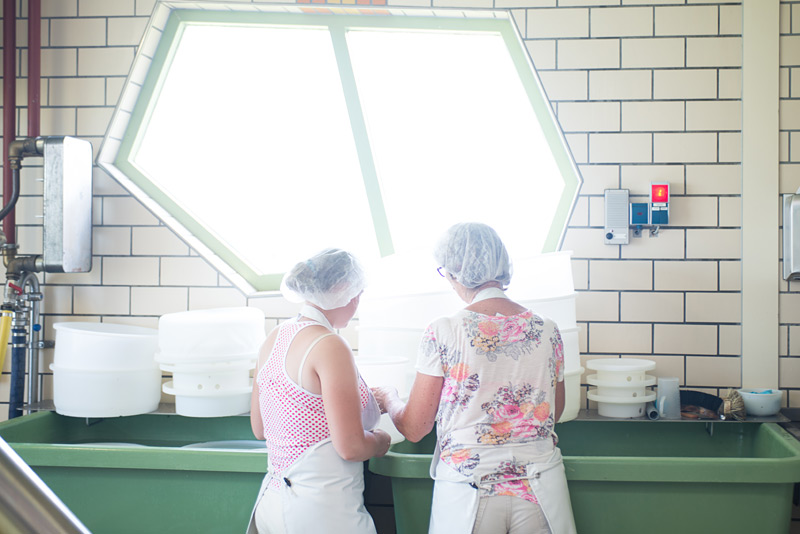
[[659, 193]]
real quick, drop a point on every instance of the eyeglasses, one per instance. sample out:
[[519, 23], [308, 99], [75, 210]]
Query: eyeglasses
[[441, 271]]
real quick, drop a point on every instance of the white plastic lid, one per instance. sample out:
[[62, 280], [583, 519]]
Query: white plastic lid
[[107, 329], [620, 364]]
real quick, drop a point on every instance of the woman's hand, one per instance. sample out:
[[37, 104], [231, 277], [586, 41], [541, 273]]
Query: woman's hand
[[384, 440], [384, 395]]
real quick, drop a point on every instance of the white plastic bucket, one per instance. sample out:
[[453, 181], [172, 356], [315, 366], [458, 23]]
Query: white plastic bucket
[[542, 276], [388, 341], [620, 407], [219, 404], [560, 309], [572, 356], [415, 311], [104, 346], [621, 369], [210, 335], [104, 393], [572, 392], [384, 371]]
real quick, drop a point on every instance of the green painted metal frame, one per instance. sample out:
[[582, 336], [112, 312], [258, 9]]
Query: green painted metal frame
[[338, 25]]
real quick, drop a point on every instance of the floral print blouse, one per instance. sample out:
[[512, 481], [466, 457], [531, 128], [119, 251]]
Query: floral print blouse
[[497, 405]]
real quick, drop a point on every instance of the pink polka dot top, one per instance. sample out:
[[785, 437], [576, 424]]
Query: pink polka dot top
[[294, 418]]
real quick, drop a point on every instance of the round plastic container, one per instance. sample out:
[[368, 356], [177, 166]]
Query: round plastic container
[[621, 369], [572, 395], [560, 309], [104, 346], [542, 276], [384, 371], [207, 404], [572, 356], [210, 335], [104, 393], [388, 341], [412, 311], [214, 376], [620, 407]]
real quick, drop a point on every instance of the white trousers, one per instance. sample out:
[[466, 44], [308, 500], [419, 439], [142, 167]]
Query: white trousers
[[504, 514]]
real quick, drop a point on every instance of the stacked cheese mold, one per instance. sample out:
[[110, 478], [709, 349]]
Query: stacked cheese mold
[[210, 354], [622, 384]]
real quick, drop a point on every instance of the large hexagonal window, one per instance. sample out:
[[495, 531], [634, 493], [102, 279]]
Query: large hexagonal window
[[262, 134]]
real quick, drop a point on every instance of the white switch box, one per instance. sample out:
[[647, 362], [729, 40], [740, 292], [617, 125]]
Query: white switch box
[[616, 217]]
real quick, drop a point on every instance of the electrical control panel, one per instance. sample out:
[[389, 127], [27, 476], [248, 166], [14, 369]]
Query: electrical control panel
[[616, 217]]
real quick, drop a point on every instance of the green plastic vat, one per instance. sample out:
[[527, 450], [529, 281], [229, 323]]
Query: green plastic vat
[[156, 488], [644, 476]]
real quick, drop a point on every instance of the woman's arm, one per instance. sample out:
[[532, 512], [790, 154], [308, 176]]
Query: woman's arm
[[333, 363], [414, 419], [256, 422], [560, 396]]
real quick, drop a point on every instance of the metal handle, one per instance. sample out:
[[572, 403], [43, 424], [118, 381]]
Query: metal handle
[[27, 504]]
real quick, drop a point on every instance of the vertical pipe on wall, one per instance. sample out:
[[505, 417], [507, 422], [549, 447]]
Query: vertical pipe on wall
[[34, 65], [9, 106], [760, 192]]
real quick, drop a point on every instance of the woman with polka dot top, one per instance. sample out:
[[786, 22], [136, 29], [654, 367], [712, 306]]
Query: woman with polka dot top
[[313, 409]]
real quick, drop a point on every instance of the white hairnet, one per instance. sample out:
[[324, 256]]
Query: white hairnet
[[329, 279], [474, 254]]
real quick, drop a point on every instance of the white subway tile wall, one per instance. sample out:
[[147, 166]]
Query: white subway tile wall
[[645, 90]]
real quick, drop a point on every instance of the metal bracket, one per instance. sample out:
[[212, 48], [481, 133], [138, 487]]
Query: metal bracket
[[654, 231]]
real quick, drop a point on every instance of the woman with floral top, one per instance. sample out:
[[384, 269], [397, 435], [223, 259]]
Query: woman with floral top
[[491, 377]]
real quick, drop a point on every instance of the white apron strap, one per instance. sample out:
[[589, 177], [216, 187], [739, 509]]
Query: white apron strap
[[455, 498], [549, 483]]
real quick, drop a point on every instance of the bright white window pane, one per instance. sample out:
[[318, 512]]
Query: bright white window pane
[[454, 136], [250, 135]]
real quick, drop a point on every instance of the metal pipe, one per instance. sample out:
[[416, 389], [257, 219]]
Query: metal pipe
[[27, 504], [8, 209], [18, 149], [9, 105], [33, 297], [19, 338], [34, 66]]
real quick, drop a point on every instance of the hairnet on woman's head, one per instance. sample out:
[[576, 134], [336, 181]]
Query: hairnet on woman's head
[[474, 254], [329, 279]]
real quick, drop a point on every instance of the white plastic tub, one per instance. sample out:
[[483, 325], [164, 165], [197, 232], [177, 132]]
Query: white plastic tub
[[621, 369], [408, 311], [389, 341], [620, 407], [210, 335], [572, 391], [572, 356], [560, 309], [193, 403], [104, 346], [103, 393], [542, 276], [384, 371]]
